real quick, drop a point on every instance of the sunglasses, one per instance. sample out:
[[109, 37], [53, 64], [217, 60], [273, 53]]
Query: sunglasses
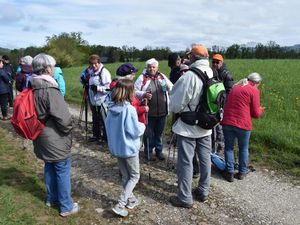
[[215, 62]]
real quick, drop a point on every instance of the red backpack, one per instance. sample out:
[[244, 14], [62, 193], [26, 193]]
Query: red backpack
[[25, 120]]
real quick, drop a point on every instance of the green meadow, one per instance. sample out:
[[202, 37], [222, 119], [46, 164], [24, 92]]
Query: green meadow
[[275, 139]]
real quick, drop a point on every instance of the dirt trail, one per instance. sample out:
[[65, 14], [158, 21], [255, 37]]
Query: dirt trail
[[264, 197]]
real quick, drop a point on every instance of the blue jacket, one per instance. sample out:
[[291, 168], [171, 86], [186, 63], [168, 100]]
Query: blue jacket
[[4, 82], [58, 77], [123, 130]]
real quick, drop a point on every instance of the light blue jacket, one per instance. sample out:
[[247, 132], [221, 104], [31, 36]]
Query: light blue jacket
[[123, 130], [58, 77]]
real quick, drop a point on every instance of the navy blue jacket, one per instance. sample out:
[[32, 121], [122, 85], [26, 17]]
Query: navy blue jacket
[[4, 82]]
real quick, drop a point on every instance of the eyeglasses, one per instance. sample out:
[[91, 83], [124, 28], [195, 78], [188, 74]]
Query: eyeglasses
[[215, 62]]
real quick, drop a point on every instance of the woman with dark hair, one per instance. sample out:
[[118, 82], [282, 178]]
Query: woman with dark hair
[[174, 62]]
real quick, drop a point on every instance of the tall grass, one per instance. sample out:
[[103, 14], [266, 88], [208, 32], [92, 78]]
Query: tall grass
[[275, 138]]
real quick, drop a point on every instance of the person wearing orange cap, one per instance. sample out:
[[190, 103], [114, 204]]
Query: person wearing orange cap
[[223, 75], [185, 97]]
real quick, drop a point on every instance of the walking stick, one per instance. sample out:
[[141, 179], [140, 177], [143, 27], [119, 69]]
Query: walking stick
[[147, 139], [86, 113]]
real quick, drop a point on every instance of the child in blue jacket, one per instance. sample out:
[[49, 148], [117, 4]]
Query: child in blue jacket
[[123, 134]]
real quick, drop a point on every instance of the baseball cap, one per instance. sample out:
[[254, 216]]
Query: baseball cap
[[126, 69], [218, 57], [199, 50]]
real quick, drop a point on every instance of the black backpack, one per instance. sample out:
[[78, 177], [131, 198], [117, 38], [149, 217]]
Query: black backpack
[[209, 111]]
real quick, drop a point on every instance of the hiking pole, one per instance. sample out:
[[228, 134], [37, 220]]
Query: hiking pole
[[81, 110], [86, 112], [147, 139]]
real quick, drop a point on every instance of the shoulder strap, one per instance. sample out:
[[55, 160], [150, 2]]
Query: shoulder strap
[[203, 76], [200, 74]]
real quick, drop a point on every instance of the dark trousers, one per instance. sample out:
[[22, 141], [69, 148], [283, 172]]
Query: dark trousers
[[3, 103], [98, 119], [11, 96]]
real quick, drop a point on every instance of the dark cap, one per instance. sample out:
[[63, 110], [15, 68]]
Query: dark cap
[[126, 69]]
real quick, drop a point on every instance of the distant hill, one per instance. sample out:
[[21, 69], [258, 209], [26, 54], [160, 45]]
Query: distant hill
[[4, 51]]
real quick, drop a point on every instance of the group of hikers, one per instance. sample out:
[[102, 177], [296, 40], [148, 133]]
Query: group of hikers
[[130, 112]]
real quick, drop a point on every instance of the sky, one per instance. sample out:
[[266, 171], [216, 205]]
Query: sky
[[156, 23]]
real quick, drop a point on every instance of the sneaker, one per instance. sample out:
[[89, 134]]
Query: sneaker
[[119, 210], [227, 176], [160, 156], [175, 201], [240, 176], [52, 204], [73, 211], [132, 203], [199, 196]]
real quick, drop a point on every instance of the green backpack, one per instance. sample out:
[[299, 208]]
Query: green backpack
[[209, 111]]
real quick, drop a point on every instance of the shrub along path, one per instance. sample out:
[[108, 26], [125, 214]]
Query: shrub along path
[[264, 197]]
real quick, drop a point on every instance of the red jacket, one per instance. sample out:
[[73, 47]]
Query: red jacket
[[140, 109], [243, 103]]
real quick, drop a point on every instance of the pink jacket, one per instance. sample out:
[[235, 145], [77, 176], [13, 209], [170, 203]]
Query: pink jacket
[[243, 103]]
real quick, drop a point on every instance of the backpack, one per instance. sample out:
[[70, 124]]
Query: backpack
[[25, 120], [209, 111], [22, 80]]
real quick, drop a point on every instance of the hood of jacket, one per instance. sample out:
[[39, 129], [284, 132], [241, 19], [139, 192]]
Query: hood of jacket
[[116, 109], [42, 81]]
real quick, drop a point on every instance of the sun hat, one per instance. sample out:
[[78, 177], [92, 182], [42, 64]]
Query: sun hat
[[218, 57], [199, 50], [126, 69]]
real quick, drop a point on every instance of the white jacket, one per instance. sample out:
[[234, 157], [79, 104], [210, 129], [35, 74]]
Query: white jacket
[[102, 81], [187, 90]]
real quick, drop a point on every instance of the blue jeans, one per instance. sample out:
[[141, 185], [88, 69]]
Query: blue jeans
[[153, 134], [243, 137], [57, 177]]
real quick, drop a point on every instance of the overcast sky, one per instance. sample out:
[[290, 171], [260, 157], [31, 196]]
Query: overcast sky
[[156, 23]]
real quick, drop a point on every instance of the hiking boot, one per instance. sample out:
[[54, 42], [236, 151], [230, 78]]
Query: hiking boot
[[240, 176], [150, 158], [175, 201], [227, 176], [73, 211], [199, 196], [120, 210], [93, 139], [101, 141], [132, 203], [196, 175], [160, 156]]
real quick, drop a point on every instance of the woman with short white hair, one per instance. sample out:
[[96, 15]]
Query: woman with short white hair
[[154, 86], [53, 145]]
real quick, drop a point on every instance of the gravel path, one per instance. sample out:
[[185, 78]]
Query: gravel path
[[264, 197]]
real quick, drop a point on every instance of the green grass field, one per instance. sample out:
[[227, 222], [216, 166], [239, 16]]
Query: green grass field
[[275, 138]]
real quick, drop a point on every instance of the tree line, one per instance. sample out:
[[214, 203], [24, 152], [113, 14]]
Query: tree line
[[70, 49]]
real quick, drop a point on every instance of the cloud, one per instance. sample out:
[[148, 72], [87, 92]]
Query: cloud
[[155, 23]]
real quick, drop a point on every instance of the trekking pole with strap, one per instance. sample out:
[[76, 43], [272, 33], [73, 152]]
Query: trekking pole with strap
[[147, 140]]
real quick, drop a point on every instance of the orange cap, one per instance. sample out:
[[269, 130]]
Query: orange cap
[[199, 50], [218, 57]]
